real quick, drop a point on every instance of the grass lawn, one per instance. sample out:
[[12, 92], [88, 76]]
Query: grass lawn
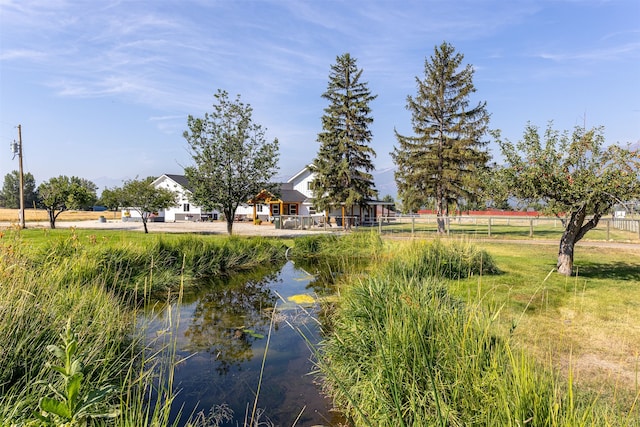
[[589, 322]]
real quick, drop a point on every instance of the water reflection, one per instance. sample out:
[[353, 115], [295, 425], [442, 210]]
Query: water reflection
[[222, 337], [230, 316]]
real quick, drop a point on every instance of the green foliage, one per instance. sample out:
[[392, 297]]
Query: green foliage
[[63, 193], [72, 404], [444, 160], [112, 198], [233, 161], [10, 193], [343, 164], [143, 197], [572, 175], [568, 172]]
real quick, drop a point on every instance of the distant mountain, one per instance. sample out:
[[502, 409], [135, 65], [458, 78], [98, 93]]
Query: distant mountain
[[385, 182]]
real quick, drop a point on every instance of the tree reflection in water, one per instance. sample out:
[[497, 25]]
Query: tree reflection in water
[[230, 316]]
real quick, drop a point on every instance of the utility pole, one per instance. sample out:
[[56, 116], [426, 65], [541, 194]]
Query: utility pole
[[18, 150]]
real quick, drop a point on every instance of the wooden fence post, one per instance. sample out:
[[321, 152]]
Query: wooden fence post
[[489, 227], [530, 227]]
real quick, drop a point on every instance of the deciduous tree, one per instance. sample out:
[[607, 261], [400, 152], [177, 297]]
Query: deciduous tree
[[112, 199], [141, 196], [344, 161], [63, 193], [441, 163], [233, 160], [573, 175]]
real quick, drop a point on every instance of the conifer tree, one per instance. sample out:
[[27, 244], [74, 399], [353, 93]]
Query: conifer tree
[[442, 162], [344, 159]]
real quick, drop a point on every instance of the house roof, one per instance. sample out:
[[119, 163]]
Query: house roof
[[284, 193], [292, 196], [180, 179], [306, 169]]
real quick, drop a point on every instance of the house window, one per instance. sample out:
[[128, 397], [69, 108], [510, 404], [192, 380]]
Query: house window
[[259, 208], [275, 209], [309, 185], [293, 209], [185, 207]]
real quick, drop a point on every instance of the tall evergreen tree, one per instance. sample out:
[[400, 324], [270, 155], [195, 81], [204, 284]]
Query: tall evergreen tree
[[10, 193], [441, 164], [344, 160]]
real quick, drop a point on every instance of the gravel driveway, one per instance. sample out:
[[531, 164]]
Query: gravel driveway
[[216, 227]]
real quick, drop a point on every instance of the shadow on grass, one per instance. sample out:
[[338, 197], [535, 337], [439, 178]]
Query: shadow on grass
[[610, 270]]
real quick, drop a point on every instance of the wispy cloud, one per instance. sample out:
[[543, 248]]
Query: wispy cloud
[[624, 52]]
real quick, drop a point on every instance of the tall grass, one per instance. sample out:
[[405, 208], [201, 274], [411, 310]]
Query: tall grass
[[33, 312], [404, 352], [351, 246], [125, 265]]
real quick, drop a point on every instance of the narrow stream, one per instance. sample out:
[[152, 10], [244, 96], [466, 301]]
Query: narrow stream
[[222, 334]]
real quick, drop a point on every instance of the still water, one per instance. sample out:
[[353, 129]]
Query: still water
[[221, 333]]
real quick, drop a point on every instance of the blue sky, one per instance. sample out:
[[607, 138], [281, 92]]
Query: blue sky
[[103, 88]]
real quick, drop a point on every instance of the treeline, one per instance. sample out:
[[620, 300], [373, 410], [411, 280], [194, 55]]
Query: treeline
[[79, 193]]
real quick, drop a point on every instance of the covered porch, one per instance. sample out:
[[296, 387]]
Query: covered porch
[[286, 202]]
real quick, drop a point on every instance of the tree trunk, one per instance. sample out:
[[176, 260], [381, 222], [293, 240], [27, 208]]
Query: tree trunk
[[52, 219], [440, 215], [144, 223], [574, 229], [565, 254], [229, 225]]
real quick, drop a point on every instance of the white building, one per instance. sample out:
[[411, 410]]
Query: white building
[[293, 198], [183, 211]]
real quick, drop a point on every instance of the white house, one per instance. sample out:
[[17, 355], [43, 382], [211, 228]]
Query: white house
[[301, 182], [290, 199], [183, 211]]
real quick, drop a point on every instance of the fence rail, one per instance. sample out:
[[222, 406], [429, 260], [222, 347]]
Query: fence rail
[[490, 226], [632, 225], [507, 226]]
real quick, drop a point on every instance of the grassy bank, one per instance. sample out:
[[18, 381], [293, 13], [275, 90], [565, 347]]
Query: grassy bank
[[96, 281], [129, 262], [430, 338]]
